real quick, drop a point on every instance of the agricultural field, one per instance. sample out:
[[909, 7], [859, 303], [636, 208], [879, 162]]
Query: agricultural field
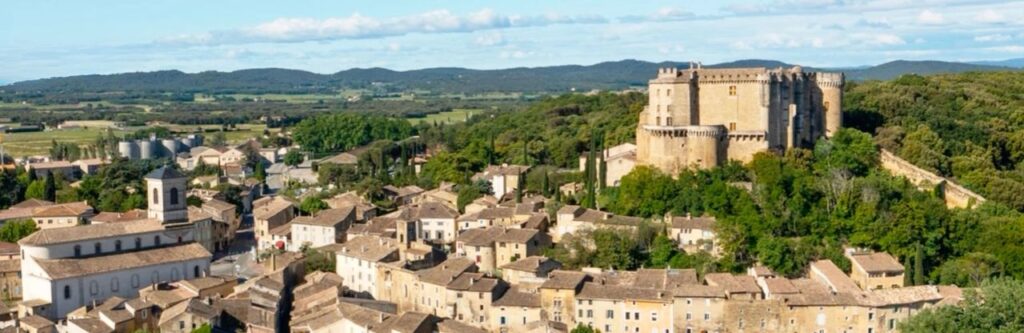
[[293, 98], [453, 116], [39, 143]]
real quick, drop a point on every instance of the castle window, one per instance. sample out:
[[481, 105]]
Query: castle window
[[67, 292], [78, 250], [732, 126], [668, 92], [99, 247], [657, 121], [826, 105], [156, 196], [668, 108], [117, 245], [195, 271], [659, 107], [668, 121], [138, 243], [174, 196], [156, 240], [732, 90]]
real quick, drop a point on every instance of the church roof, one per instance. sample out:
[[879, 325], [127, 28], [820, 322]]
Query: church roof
[[165, 172], [89, 231], [74, 267]]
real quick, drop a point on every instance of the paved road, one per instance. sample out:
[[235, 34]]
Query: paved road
[[238, 260]]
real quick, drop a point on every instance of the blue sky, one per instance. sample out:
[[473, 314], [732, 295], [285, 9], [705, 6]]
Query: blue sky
[[42, 38]]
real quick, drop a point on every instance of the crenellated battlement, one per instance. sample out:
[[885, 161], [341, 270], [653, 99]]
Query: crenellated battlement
[[704, 116]]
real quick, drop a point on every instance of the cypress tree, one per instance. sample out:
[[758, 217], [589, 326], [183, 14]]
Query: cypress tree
[[919, 278], [519, 187], [908, 271], [545, 189], [50, 188]]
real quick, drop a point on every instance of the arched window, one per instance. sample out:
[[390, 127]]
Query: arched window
[[135, 281], [115, 286], [138, 243], [78, 250], [156, 240], [117, 245], [67, 292], [195, 271], [156, 196], [98, 247], [174, 196], [180, 240]]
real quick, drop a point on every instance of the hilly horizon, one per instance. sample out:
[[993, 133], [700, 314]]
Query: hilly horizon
[[611, 75]]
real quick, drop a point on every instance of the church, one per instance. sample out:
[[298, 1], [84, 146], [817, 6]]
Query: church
[[67, 268], [702, 117]]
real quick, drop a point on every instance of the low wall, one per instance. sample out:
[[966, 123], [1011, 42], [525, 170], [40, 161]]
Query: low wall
[[955, 195]]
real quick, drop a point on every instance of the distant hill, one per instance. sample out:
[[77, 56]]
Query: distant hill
[[605, 75], [1015, 63], [894, 69]]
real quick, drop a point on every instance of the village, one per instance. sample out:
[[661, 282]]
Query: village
[[419, 260]]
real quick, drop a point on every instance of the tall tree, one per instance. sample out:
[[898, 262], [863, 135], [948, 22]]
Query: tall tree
[[908, 271], [919, 276], [50, 187]]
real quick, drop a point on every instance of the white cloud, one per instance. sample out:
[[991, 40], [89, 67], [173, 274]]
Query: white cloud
[[930, 17], [357, 26], [888, 39], [993, 38], [1007, 49], [490, 39], [990, 16], [515, 54]]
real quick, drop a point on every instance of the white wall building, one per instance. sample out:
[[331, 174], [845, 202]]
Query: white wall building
[[66, 268]]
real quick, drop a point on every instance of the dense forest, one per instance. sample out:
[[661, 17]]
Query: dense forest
[[967, 126]]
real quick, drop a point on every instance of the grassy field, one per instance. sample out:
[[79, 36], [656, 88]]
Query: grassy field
[[453, 116], [38, 143]]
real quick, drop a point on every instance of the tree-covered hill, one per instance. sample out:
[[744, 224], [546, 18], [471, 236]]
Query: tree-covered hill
[[967, 126], [613, 75]]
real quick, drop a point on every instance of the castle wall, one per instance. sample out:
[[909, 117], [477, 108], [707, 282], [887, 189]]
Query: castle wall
[[955, 195], [743, 147], [755, 109], [742, 112]]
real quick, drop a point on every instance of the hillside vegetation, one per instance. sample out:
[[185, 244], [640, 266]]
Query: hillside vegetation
[[613, 75], [966, 126]]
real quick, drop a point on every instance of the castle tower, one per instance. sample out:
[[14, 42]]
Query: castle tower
[[166, 191], [831, 86], [702, 145]]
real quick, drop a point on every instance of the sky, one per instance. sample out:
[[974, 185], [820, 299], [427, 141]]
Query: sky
[[44, 38]]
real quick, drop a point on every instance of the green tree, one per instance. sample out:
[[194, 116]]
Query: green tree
[[293, 157], [580, 328], [260, 172], [919, 273], [995, 307], [49, 187], [36, 190], [312, 205], [14, 230], [205, 328]]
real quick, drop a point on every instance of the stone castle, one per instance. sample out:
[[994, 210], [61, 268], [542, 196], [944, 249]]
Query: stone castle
[[700, 117]]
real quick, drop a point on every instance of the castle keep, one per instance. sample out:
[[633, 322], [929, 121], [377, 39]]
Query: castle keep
[[702, 117]]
